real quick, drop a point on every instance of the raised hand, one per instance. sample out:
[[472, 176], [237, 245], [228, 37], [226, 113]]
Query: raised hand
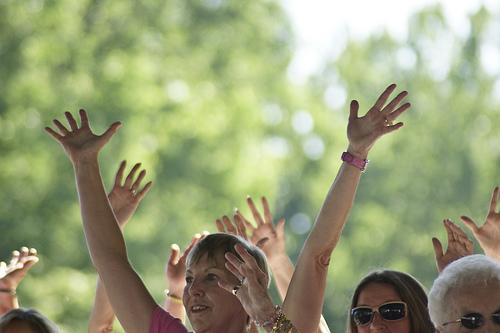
[[175, 270], [126, 196], [362, 132], [80, 143], [13, 273], [459, 245], [488, 235], [267, 236], [252, 287]]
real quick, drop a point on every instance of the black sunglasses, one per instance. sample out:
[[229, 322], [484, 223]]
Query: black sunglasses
[[474, 320], [390, 311]]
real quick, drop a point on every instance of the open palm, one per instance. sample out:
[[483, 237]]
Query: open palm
[[80, 142]]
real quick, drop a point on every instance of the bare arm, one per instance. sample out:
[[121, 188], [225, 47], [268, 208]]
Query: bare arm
[[124, 199], [130, 299], [304, 300]]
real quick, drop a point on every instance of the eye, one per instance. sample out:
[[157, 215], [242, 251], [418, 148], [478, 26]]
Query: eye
[[212, 277]]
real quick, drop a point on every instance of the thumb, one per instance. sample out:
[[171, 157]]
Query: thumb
[[280, 227], [106, 136], [438, 248], [353, 113], [470, 224], [174, 255]]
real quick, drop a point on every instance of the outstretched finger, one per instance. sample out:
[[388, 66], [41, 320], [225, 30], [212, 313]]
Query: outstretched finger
[[240, 226], [131, 175], [248, 259], [396, 113], [392, 128], [248, 225], [256, 215], [61, 127], [84, 118], [119, 174], [219, 225], [449, 231], [438, 248], [280, 227], [142, 193], [106, 136], [353, 110], [494, 199], [71, 121], [234, 265], [470, 224], [174, 255], [54, 134], [268, 217], [138, 181], [395, 102], [230, 229], [384, 96]]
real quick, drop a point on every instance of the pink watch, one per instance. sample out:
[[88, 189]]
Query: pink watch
[[353, 160]]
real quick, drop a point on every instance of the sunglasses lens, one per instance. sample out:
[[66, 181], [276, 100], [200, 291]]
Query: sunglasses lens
[[362, 316], [472, 320], [496, 317], [392, 311]]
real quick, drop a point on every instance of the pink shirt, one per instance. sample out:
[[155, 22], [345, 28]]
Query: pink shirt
[[163, 322]]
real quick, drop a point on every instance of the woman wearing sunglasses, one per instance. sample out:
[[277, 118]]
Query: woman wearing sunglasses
[[466, 296], [389, 301]]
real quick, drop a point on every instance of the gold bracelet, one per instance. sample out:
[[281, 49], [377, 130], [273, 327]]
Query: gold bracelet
[[11, 292], [174, 298], [282, 324]]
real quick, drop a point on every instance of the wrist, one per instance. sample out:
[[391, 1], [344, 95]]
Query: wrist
[[173, 297], [357, 152], [8, 291]]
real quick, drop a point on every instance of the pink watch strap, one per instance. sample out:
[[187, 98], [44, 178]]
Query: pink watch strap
[[353, 160]]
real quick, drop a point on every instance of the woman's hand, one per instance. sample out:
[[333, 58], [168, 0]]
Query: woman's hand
[[13, 273], [459, 245], [80, 143], [126, 196], [251, 289], [488, 235], [362, 132], [175, 269]]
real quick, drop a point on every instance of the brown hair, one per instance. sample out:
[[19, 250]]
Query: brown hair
[[217, 244], [36, 321], [410, 291]]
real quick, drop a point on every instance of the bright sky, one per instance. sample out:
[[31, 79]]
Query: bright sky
[[321, 26]]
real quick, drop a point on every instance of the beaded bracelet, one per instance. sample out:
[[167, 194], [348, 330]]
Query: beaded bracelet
[[278, 320]]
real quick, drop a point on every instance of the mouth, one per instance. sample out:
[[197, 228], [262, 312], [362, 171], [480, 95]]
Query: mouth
[[198, 308]]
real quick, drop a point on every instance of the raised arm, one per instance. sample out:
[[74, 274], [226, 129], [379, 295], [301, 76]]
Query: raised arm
[[131, 301], [124, 199], [459, 245], [488, 235], [12, 274], [304, 300]]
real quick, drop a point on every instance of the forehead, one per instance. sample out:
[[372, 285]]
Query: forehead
[[484, 299], [374, 294], [205, 263]]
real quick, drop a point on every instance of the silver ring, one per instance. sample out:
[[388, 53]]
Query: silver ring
[[134, 192], [235, 290]]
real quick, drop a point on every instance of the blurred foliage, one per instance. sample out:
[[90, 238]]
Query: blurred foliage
[[202, 89]]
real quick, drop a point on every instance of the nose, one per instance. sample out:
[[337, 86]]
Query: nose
[[377, 323], [195, 288]]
